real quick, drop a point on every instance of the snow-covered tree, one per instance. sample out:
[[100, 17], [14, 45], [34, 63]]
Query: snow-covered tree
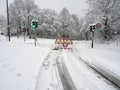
[[106, 12], [75, 24], [49, 20], [2, 21], [15, 12], [21, 14], [31, 12], [70, 24], [65, 20], [3, 25]]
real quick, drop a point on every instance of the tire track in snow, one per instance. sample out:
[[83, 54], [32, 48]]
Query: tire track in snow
[[69, 67], [48, 76], [64, 81], [64, 74]]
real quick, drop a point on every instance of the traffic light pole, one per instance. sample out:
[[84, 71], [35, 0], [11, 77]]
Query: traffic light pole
[[93, 28], [24, 34], [34, 26], [35, 38], [92, 40], [8, 20]]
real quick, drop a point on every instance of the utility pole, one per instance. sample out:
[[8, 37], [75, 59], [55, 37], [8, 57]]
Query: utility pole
[[28, 9], [8, 33]]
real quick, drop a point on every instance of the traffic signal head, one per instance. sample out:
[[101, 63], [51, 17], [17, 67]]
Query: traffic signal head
[[90, 27], [93, 30], [94, 26], [34, 24]]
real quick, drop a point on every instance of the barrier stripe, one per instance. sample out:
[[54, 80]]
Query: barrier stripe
[[38, 44]]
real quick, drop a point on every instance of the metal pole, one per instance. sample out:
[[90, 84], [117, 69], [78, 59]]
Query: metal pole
[[8, 19], [92, 40], [24, 34], [24, 30], [35, 37], [29, 22]]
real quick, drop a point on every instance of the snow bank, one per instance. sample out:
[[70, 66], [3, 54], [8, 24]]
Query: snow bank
[[103, 57]]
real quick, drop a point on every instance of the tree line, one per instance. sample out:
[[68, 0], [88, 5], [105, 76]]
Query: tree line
[[107, 12], [52, 24]]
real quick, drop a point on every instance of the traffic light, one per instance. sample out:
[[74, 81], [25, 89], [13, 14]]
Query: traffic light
[[93, 28], [34, 24], [90, 27]]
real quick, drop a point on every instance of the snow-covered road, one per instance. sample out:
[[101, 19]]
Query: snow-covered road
[[64, 70], [26, 67], [105, 59], [48, 76]]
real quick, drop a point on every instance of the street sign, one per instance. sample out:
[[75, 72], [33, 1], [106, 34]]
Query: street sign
[[64, 43], [98, 25]]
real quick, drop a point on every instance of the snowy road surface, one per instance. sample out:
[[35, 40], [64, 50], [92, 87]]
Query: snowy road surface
[[103, 58], [65, 71], [48, 76], [26, 67]]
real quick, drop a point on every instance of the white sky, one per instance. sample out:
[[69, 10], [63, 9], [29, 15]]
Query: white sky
[[74, 6]]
